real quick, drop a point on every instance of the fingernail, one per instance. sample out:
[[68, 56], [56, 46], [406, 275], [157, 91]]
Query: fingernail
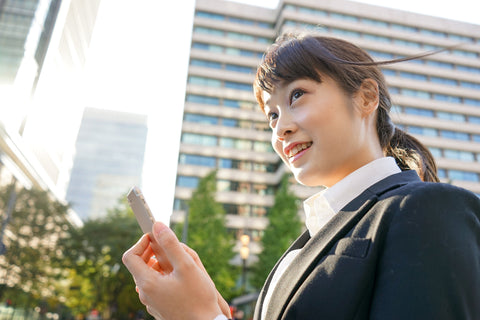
[[158, 228]]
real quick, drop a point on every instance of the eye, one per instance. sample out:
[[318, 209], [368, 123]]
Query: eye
[[272, 116], [296, 94]]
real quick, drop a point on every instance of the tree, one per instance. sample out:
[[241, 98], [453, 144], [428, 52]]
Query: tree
[[283, 228], [29, 268], [98, 278], [208, 235]]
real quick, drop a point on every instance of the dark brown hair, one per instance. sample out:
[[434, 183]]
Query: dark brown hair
[[309, 56]]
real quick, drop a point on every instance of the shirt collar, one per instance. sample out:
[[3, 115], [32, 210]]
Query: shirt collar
[[322, 206]]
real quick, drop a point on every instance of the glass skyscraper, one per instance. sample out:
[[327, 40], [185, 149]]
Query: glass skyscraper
[[108, 160], [436, 98]]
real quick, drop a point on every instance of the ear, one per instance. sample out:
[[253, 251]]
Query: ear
[[367, 97]]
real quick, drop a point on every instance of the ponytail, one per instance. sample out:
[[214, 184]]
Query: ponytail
[[408, 152]]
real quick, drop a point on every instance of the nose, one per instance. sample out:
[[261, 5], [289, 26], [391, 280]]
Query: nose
[[285, 126]]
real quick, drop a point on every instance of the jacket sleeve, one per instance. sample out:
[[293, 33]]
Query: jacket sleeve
[[429, 267]]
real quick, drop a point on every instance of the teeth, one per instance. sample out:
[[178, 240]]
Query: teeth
[[298, 148]]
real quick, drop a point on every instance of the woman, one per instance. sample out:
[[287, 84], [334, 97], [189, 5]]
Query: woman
[[380, 242]]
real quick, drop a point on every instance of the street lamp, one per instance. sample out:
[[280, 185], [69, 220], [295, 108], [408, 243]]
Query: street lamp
[[244, 252]]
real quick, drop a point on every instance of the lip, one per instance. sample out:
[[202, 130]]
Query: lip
[[292, 145]]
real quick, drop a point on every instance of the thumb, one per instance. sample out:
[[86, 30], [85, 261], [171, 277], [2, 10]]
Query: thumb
[[172, 249]]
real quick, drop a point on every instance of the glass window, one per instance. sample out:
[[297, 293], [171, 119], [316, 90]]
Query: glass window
[[423, 131], [451, 116], [406, 43], [474, 119], [206, 64], [343, 32], [200, 139], [389, 72], [468, 69], [470, 85], [225, 163], [464, 53], [414, 76], [209, 15], [446, 98], [441, 173], [445, 81], [440, 64], [262, 146], [187, 181], [457, 37], [396, 109], [459, 155], [381, 55], [238, 86], [402, 27], [436, 152], [462, 175], [454, 135], [433, 33], [227, 142], [209, 31], [203, 99], [197, 160], [416, 93], [375, 37], [376, 23], [200, 118], [471, 102], [241, 21], [419, 112], [242, 69], [201, 81], [227, 122], [343, 17]]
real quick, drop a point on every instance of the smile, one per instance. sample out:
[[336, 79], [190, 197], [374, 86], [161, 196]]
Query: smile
[[298, 148]]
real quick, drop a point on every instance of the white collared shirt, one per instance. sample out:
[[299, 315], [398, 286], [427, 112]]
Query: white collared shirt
[[322, 206]]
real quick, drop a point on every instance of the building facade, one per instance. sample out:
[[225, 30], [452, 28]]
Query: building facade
[[109, 157], [436, 98]]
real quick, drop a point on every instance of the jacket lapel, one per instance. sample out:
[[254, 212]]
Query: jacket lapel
[[318, 246]]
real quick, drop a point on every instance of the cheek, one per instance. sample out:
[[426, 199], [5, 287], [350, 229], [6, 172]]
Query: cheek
[[277, 146]]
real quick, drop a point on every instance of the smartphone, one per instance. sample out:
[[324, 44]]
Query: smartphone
[[140, 208]]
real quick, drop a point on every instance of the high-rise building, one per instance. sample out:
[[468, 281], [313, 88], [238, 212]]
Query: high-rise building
[[436, 98], [109, 159]]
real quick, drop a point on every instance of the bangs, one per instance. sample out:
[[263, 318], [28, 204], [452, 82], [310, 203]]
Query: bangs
[[284, 63]]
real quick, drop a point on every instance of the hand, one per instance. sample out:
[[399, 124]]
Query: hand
[[178, 287]]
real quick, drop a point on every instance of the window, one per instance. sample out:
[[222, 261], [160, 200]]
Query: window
[[470, 85], [433, 33], [436, 152], [446, 98], [471, 102], [209, 15], [200, 118], [238, 86], [468, 69], [402, 27], [406, 43], [227, 122], [242, 69], [262, 146], [445, 81], [455, 135], [414, 76], [376, 23], [346, 33], [462, 175], [419, 112], [416, 93], [201, 81], [451, 116], [440, 64], [459, 155], [197, 160], [423, 131], [345, 17], [200, 139], [187, 181], [203, 99], [205, 64], [209, 31]]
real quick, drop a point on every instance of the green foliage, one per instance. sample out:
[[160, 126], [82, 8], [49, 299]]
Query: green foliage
[[98, 277], [283, 228], [208, 235], [30, 269]]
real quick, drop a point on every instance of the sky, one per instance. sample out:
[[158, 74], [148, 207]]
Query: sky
[[138, 63]]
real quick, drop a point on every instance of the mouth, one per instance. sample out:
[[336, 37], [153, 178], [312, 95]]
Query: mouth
[[297, 149]]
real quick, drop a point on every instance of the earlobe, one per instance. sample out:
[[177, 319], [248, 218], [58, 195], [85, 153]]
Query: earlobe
[[367, 97]]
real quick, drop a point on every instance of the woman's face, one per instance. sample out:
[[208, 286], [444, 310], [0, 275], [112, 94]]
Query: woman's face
[[319, 132]]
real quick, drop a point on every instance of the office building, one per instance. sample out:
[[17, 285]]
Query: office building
[[108, 160], [436, 98]]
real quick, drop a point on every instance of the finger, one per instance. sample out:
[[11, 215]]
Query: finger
[[172, 248], [147, 255], [161, 256], [132, 258], [192, 253]]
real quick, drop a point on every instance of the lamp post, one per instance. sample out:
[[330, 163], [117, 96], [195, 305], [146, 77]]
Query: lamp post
[[244, 252]]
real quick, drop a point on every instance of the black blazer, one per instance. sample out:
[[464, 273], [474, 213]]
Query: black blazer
[[403, 249]]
